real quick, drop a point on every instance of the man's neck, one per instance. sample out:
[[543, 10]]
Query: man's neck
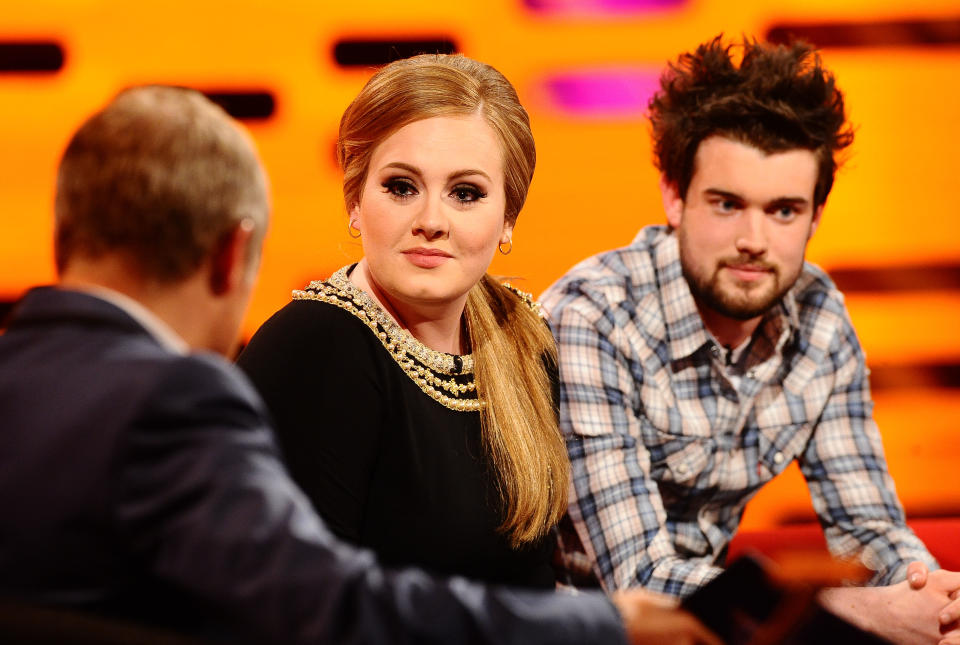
[[177, 304], [728, 331], [159, 329]]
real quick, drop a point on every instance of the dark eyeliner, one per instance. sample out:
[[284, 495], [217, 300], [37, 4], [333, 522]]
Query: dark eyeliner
[[393, 183], [472, 189]]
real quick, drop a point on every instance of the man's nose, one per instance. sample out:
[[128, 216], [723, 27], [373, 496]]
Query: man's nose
[[751, 232]]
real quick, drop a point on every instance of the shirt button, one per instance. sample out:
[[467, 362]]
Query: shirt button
[[682, 469], [715, 351], [778, 458]]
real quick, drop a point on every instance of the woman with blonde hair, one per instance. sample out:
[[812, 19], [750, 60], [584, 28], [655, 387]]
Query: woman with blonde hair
[[413, 393]]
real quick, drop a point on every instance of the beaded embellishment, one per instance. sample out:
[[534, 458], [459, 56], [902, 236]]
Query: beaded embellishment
[[527, 298], [446, 378]]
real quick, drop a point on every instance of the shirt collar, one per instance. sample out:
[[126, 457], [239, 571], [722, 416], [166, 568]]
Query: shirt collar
[[157, 328], [686, 333], [685, 330]]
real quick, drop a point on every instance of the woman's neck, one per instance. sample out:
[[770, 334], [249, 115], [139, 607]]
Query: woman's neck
[[436, 325]]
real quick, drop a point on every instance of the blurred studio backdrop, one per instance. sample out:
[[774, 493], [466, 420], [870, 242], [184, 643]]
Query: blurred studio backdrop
[[584, 69]]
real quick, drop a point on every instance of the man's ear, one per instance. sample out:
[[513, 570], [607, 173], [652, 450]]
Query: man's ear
[[229, 263], [815, 221], [672, 202]]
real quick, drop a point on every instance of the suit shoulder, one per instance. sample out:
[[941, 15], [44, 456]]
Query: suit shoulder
[[206, 376]]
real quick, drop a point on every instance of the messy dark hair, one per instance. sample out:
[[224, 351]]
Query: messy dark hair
[[779, 98]]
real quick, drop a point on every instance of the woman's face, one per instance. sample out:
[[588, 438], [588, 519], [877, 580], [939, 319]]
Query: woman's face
[[431, 211]]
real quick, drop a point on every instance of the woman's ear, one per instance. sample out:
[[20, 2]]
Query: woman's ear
[[354, 215], [507, 232]]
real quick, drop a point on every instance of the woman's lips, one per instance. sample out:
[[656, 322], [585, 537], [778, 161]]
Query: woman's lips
[[426, 258]]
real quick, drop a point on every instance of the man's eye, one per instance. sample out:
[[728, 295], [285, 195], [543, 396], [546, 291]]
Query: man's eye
[[785, 212], [467, 193], [399, 187]]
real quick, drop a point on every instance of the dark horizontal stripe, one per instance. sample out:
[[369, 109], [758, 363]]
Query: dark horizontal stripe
[[888, 377], [933, 512], [6, 306], [880, 33], [915, 512], [915, 277], [360, 52], [31, 57], [245, 105]]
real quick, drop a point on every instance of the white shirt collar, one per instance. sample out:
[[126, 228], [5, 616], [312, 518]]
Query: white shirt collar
[[161, 331]]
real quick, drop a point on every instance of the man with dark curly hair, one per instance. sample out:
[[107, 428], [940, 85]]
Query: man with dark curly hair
[[699, 361]]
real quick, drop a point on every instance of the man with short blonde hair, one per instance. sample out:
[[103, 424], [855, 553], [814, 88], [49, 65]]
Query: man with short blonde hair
[[139, 479]]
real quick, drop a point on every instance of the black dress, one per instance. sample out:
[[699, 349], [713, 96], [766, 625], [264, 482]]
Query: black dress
[[383, 434]]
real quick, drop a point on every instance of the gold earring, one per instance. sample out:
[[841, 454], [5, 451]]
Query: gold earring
[[509, 248], [351, 228]]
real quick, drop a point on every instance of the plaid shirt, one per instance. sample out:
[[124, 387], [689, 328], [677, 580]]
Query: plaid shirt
[[666, 448]]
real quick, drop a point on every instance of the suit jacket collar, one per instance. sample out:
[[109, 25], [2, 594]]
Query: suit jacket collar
[[157, 327], [51, 305]]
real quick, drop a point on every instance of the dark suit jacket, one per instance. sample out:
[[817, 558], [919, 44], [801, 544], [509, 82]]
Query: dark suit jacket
[[143, 484]]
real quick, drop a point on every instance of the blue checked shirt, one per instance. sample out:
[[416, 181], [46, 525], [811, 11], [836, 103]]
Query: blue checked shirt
[[668, 443]]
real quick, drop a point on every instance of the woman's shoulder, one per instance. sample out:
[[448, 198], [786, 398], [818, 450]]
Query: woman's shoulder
[[337, 305], [316, 323], [525, 297], [309, 321]]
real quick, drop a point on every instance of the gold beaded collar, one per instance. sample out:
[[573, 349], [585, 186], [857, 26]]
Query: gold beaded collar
[[446, 378]]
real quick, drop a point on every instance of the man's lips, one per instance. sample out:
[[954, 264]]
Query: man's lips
[[426, 258], [748, 272]]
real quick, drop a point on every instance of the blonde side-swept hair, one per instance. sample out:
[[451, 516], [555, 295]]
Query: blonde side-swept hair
[[512, 347]]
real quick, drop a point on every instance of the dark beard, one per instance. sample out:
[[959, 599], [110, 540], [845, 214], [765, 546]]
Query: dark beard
[[708, 293]]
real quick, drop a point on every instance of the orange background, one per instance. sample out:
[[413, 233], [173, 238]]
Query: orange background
[[894, 202]]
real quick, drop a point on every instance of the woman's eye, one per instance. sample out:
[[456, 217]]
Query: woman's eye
[[399, 187], [467, 193]]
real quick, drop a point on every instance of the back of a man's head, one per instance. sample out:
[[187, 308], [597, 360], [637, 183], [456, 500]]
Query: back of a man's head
[[777, 98], [160, 176]]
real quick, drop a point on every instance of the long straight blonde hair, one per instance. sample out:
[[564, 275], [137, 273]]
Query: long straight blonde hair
[[513, 349]]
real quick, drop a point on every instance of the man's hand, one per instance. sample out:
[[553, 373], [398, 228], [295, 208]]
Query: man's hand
[[652, 618], [917, 573], [947, 581], [902, 612]]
